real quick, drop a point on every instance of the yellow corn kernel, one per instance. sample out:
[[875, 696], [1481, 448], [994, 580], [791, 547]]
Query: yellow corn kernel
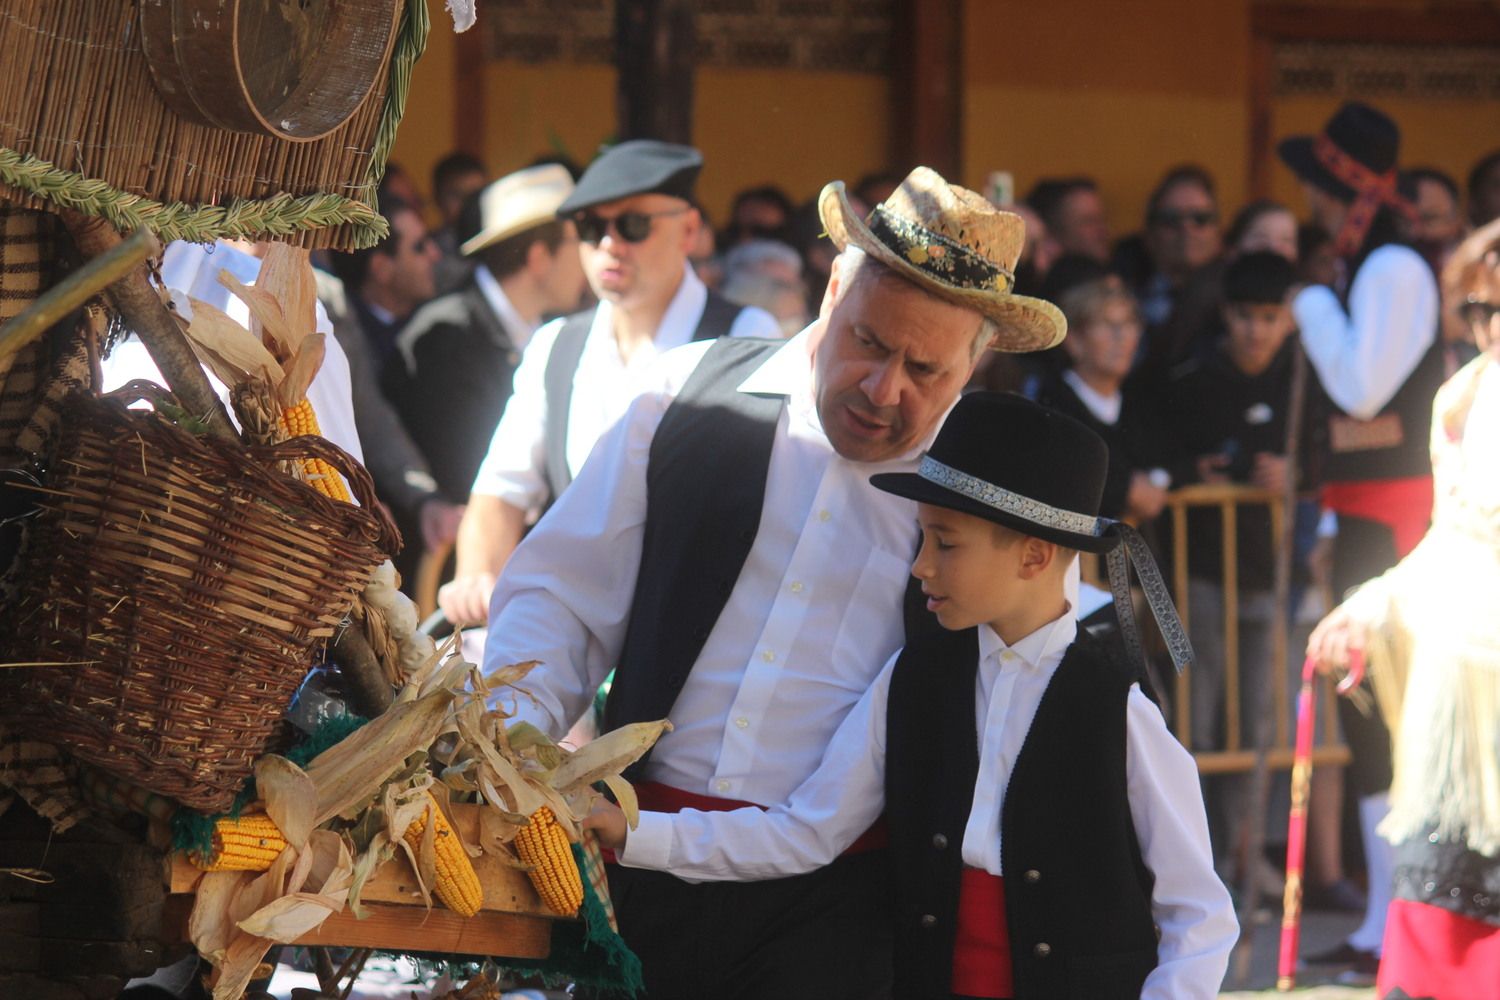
[[457, 885], [542, 844], [321, 476], [247, 844]]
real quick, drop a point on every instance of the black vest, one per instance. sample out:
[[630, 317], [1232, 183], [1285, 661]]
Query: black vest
[[718, 317], [1078, 895], [705, 487]]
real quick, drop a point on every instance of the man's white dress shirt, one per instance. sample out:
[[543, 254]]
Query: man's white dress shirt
[[193, 270], [1363, 357], [814, 613], [603, 386], [846, 794]]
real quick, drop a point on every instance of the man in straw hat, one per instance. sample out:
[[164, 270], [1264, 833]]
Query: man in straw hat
[[458, 355], [634, 214], [1373, 341], [1103, 879], [723, 550]]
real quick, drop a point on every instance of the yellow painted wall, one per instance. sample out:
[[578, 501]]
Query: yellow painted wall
[[1119, 91], [426, 132]]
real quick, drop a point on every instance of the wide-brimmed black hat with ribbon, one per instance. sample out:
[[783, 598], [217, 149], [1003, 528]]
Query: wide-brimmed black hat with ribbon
[[1354, 160], [1009, 460], [952, 242]]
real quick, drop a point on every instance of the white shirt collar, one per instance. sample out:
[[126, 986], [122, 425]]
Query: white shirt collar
[[1105, 408], [520, 331], [1042, 649]]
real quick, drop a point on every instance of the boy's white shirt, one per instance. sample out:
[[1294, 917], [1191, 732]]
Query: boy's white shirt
[[846, 794]]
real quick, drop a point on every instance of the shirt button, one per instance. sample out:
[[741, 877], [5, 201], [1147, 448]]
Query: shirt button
[[722, 785], [939, 841], [1008, 654], [928, 921], [769, 655], [823, 515], [797, 587], [1032, 876], [742, 722], [1042, 950]]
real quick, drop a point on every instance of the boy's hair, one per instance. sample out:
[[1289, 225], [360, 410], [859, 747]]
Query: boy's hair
[[1003, 536], [1260, 278], [1084, 303]]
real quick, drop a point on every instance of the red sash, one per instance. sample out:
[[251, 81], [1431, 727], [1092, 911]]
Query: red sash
[[981, 945], [656, 797], [1403, 505]]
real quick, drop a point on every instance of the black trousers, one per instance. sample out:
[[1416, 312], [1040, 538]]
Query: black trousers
[[1362, 551], [825, 935]]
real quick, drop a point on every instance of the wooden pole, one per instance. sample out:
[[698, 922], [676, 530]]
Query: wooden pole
[[654, 45], [146, 315]]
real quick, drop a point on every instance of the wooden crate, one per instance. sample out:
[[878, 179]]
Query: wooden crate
[[513, 922]]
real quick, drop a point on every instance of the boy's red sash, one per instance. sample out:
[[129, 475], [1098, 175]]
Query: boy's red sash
[[981, 946]]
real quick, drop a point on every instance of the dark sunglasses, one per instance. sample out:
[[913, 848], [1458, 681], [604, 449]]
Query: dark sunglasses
[[632, 227], [1177, 220], [1478, 312]]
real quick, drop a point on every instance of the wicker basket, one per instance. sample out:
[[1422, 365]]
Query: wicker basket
[[175, 587]]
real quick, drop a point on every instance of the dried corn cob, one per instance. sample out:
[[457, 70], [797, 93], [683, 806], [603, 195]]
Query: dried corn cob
[[321, 476], [457, 885], [247, 844], [542, 844]]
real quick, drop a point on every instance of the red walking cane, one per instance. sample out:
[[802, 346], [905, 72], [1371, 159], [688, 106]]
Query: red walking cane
[[1296, 832]]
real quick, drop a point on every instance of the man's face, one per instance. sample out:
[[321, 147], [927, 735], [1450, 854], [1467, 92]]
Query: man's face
[[1081, 225], [1438, 223], [1256, 332], [889, 361], [1183, 232], [450, 200], [563, 282], [407, 272], [646, 272]]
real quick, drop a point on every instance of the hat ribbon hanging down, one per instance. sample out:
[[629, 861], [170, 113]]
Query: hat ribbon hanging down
[[1371, 190]]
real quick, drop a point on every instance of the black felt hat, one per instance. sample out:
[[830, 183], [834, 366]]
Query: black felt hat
[[1002, 457], [1357, 132], [639, 166]]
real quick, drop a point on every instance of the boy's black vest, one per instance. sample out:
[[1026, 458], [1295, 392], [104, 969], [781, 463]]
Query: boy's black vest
[[705, 487], [1394, 443], [718, 317], [1078, 895]]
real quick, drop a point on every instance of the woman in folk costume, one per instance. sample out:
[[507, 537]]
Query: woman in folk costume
[[1432, 637], [1373, 340]]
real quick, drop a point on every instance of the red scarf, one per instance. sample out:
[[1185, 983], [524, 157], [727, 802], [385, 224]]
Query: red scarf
[[1371, 190]]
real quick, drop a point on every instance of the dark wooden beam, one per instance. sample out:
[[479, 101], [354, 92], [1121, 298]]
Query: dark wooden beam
[[655, 42], [927, 86]]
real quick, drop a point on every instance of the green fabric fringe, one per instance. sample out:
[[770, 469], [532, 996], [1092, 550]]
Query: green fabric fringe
[[194, 831], [587, 952]]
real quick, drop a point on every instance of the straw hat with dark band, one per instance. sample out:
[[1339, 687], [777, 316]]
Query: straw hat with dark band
[[952, 242]]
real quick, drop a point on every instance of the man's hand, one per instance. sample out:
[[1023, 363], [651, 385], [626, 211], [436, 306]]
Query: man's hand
[[1145, 499], [1269, 471], [439, 521], [607, 820], [1338, 641], [1211, 468], [465, 601]]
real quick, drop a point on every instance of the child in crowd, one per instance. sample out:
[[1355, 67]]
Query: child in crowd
[[1047, 836], [1104, 335], [1230, 410]]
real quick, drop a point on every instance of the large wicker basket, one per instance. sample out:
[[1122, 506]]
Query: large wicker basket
[[173, 593]]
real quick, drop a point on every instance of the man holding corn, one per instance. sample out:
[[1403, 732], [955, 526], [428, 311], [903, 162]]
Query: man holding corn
[[723, 549]]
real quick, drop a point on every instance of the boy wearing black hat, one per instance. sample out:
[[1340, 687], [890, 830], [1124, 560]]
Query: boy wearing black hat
[[1055, 848]]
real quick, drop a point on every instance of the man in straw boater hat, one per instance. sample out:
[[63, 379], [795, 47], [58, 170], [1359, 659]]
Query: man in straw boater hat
[[723, 550], [1058, 846], [1373, 341], [458, 354], [633, 210]]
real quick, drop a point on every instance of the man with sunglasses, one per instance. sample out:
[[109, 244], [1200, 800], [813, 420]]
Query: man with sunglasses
[[636, 223]]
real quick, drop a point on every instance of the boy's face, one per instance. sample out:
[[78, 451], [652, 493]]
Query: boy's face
[[1105, 346], [1256, 332], [973, 572]]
